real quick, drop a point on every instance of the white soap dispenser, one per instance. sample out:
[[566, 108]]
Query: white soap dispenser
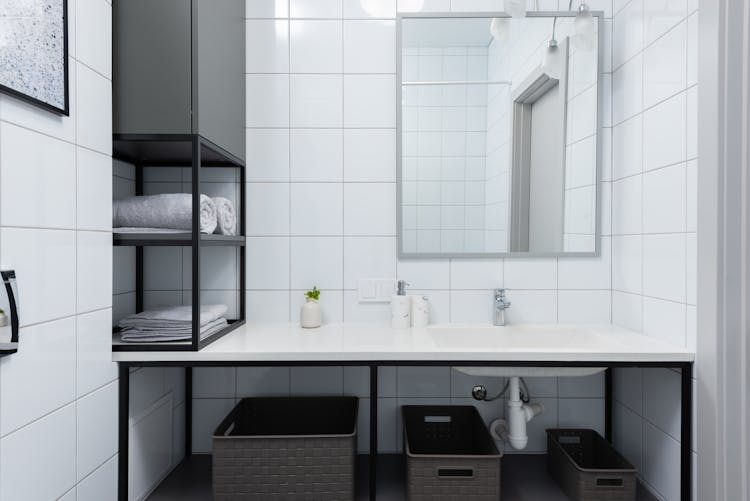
[[401, 308]]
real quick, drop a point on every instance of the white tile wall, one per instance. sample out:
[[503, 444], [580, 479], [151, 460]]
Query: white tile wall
[[653, 204], [58, 397], [321, 211]]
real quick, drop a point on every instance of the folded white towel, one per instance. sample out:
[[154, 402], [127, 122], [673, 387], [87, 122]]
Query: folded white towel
[[147, 336], [168, 210], [226, 216], [172, 317]]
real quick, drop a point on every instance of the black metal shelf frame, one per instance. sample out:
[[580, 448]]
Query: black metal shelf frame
[[686, 401], [180, 151]]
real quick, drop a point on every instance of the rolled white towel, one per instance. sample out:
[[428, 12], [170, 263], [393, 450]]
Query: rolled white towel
[[168, 210], [226, 216]]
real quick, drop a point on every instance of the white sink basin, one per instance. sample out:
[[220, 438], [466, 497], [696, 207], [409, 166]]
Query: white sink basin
[[517, 338]]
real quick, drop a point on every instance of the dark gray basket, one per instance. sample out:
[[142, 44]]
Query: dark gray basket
[[450, 455], [286, 448], [588, 468]]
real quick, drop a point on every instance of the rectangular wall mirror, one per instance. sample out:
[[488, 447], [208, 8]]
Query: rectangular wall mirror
[[499, 134]]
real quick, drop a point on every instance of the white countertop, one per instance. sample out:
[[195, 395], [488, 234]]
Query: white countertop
[[450, 342]]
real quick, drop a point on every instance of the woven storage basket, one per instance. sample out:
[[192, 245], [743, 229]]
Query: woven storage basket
[[588, 468], [450, 455], [286, 449]]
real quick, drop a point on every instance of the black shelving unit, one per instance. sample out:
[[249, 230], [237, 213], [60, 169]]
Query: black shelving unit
[[180, 151]]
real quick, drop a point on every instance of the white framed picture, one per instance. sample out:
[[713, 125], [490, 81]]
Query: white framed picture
[[34, 52]]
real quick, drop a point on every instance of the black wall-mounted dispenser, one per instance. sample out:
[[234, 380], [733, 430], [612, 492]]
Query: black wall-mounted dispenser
[[9, 319]]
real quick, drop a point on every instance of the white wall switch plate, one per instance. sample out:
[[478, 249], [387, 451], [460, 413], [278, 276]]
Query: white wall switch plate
[[376, 290]]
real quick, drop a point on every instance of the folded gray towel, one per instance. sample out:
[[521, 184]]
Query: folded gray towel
[[148, 336], [168, 210], [226, 216], [172, 317]]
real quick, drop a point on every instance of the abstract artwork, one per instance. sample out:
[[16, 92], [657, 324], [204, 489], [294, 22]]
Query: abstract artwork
[[34, 52]]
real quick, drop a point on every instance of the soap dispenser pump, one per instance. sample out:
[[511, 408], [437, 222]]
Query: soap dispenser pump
[[401, 307]]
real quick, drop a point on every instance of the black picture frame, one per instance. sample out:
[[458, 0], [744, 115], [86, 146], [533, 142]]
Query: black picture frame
[[65, 110]]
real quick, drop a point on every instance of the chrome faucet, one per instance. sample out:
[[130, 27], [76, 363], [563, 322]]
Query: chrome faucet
[[501, 304]]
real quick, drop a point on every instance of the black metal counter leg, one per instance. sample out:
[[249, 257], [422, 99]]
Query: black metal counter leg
[[373, 459], [188, 411], [122, 430], [686, 456], [608, 376]]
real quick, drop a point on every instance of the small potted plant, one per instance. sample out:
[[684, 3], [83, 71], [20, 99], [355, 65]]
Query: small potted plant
[[310, 313]]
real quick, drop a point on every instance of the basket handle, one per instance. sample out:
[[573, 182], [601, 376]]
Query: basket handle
[[437, 419], [455, 472], [610, 482]]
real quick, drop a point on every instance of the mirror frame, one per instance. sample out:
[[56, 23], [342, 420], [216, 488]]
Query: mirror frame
[[599, 15]]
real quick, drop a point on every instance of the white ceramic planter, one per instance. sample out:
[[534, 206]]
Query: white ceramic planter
[[310, 315]]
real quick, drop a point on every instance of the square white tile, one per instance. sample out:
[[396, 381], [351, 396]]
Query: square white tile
[[94, 275], [267, 209], [45, 262], [471, 306], [96, 429], [267, 154], [370, 101], [40, 377], [317, 381], [664, 267], [94, 366], [94, 121], [370, 155], [316, 155], [530, 273], [665, 65], [20, 476], [317, 209], [423, 381], [266, 9], [664, 133], [379, 9], [102, 483], [316, 100], [267, 306], [664, 200], [627, 196], [39, 179], [214, 382], [627, 88], [369, 46], [330, 9], [267, 101], [315, 46], [627, 262], [532, 306], [370, 209], [584, 307], [267, 46], [368, 257], [424, 274], [316, 261], [484, 274], [94, 195], [262, 381], [267, 263]]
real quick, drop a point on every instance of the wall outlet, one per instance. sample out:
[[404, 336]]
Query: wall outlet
[[376, 290]]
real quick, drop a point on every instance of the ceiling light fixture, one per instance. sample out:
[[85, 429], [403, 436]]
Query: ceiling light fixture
[[584, 37], [515, 8]]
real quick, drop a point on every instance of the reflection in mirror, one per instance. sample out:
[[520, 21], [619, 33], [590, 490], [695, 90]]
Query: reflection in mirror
[[499, 135]]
